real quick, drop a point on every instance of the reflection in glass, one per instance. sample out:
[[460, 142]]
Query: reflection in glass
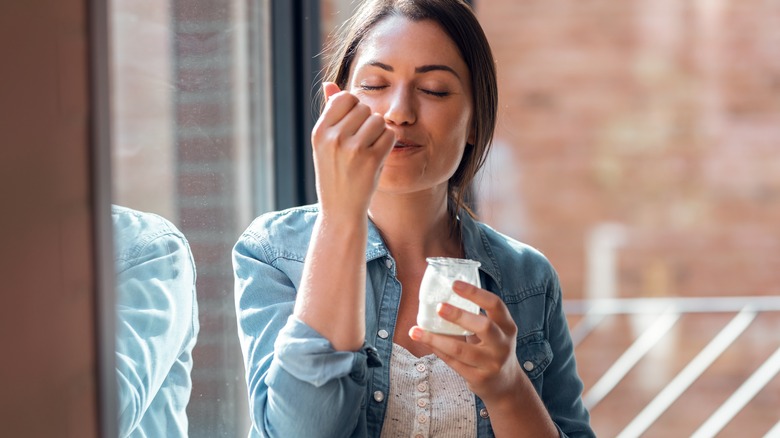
[[191, 143], [157, 324]]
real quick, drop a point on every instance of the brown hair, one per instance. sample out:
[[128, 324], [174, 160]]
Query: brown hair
[[457, 19]]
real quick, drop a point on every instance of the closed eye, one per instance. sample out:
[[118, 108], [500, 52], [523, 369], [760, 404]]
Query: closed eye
[[371, 87], [435, 93]]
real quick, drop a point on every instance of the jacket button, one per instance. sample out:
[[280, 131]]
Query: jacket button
[[383, 334], [388, 263], [528, 365], [379, 396], [483, 413]]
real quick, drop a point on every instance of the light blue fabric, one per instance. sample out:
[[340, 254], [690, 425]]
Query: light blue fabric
[[299, 386], [157, 324]]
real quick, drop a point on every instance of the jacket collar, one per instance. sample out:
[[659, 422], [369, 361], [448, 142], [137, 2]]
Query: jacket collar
[[475, 245], [375, 246]]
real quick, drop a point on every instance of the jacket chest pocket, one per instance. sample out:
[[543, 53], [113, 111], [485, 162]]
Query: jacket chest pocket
[[534, 354]]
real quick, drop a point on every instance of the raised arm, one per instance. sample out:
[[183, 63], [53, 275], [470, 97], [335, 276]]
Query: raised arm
[[302, 318], [349, 147]]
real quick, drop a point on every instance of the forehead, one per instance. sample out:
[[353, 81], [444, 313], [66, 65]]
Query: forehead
[[398, 40]]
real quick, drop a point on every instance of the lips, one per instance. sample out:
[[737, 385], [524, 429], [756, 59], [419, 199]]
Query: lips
[[403, 143]]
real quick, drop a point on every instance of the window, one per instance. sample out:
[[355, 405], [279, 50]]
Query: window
[[192, 142]]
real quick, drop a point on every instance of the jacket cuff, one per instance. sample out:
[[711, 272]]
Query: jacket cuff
[[309, 357]]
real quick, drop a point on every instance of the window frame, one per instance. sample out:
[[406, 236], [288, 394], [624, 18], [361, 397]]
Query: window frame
[[295, 46], [104, 275]]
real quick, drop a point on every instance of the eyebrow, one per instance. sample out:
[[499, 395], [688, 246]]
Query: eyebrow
[[421, 69]]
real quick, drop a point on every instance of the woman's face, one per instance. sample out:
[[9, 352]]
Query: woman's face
[[412, 73]]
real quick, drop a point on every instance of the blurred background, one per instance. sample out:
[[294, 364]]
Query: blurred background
[[638, 147]]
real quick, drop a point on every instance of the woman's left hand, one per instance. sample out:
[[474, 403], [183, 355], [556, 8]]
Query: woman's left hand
[[486, 359]]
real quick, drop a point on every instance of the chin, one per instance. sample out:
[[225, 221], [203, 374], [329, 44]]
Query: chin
[[406, 184]]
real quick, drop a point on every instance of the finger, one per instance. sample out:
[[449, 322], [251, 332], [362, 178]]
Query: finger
[[463, 369], [450, 346], [338, 106], [482, 325], [459, 355], [349, 125], [329, 89], [381, 149], [491, 303], [371, 129], [384, 144]]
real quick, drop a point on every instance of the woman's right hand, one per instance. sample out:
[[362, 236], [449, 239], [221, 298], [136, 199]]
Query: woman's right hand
[[349, 146]]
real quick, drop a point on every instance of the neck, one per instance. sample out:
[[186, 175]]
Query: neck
[[415, 226]]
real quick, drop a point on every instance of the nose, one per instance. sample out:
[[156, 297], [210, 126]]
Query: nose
[[401, 109]]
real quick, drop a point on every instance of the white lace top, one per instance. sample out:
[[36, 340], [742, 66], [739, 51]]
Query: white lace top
[[427, 399]]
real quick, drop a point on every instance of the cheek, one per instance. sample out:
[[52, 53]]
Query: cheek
[[458, 137], [450, 160], [372, 102], [457, 128]]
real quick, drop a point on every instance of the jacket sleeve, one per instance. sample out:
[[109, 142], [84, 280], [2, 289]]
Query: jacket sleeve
[[562, 391], [298, 384], [156, 321]]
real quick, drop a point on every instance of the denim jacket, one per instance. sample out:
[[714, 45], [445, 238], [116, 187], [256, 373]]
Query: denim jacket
[[157, 324], [299, 386]]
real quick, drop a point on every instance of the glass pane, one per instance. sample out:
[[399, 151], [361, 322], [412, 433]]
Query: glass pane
[[192, 145]]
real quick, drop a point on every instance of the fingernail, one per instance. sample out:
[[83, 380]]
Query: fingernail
[[459, 286], [443, 310], [415, 333]]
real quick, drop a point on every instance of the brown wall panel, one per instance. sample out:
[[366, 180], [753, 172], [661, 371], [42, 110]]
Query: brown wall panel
[[47, 328]]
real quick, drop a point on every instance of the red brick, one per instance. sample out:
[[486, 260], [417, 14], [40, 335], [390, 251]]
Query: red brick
[[202, 77], [201, 184], [208, 114], [205, 149], [210, 253], [196, 11], [211, 43], [203, 218]]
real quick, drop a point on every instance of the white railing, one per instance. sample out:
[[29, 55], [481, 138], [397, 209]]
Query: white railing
[[669, 311]]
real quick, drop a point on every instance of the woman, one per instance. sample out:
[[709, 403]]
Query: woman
[[327, 295]]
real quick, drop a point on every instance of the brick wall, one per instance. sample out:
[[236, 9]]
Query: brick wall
[[646, 133], [660, 116]]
